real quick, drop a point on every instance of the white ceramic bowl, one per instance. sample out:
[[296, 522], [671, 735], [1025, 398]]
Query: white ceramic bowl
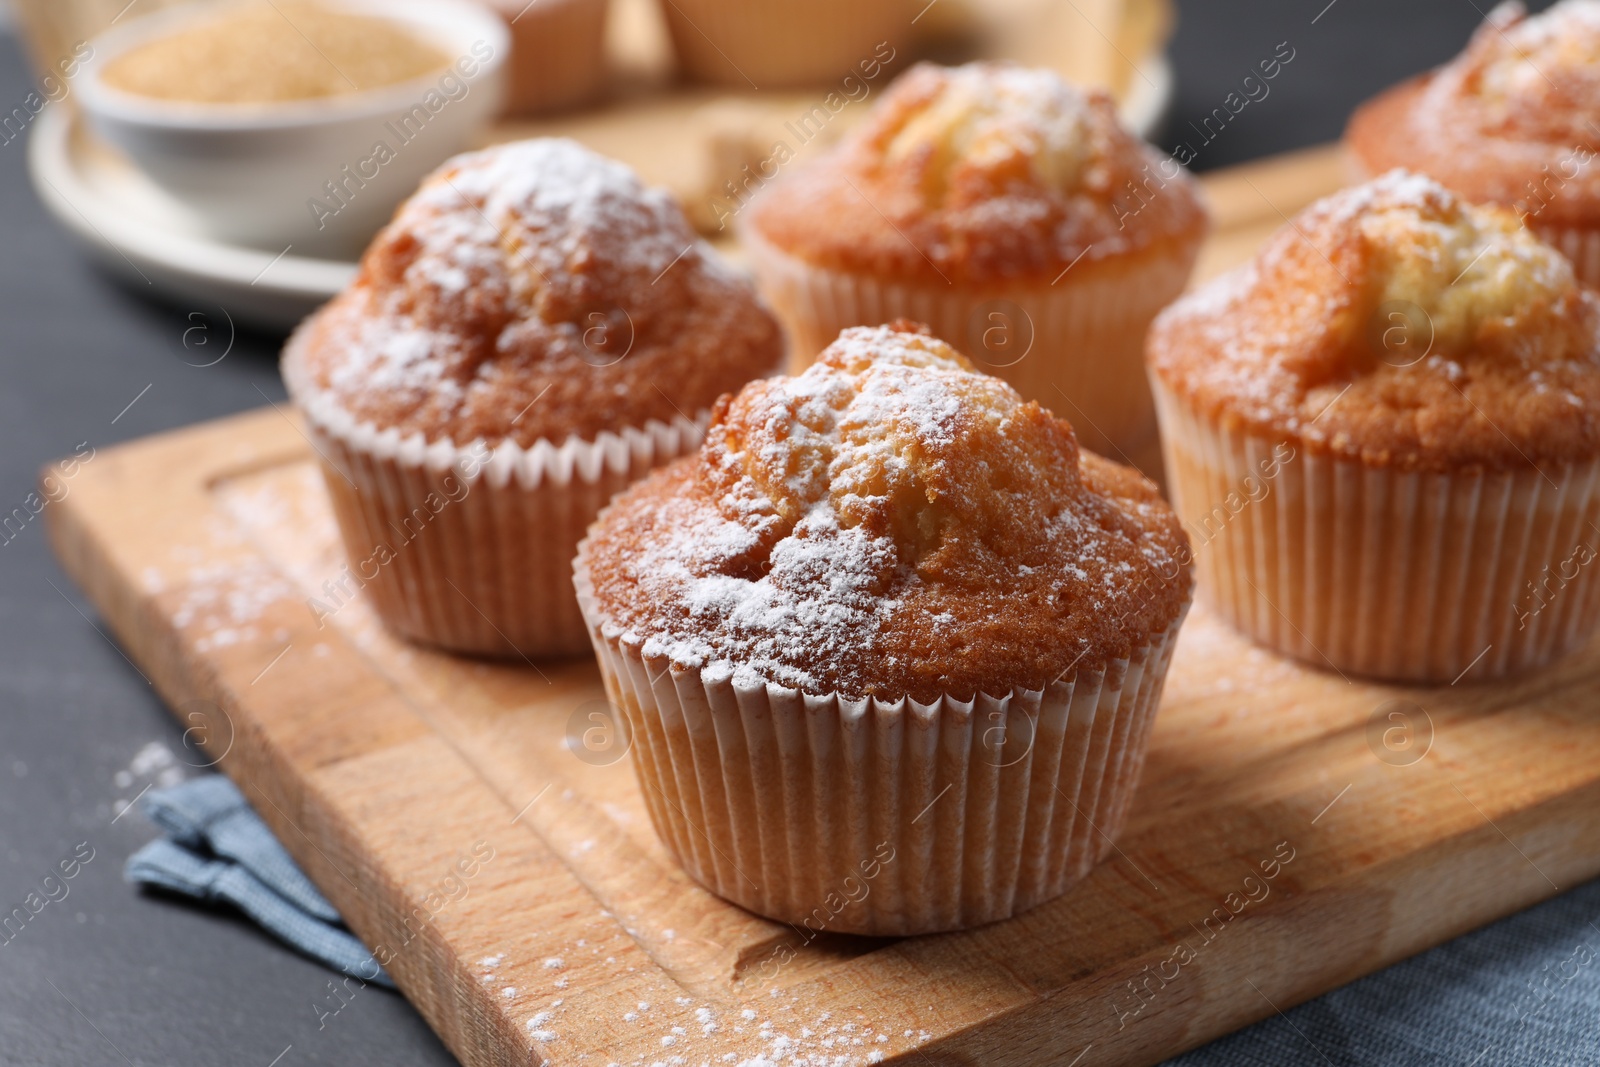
[[307, 173]]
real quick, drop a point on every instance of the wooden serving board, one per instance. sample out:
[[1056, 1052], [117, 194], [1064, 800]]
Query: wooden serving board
[[1295, 829]]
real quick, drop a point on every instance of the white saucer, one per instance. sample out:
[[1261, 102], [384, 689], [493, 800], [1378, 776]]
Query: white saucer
[[136, 231], [131, 227]]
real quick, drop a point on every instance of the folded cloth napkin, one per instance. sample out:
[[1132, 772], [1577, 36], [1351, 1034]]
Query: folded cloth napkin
[[218, 849]]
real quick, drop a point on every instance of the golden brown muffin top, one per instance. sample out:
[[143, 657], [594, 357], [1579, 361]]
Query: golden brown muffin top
[[1396, 324], [535, 290], [889, 522], [1514, 119], [980, 173]]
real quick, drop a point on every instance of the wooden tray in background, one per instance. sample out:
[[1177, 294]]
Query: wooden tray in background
[[1291, 834]]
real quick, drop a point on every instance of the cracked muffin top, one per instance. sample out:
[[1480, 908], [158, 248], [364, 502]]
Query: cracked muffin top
[[889, 523], [1396, 324], [981, 173]]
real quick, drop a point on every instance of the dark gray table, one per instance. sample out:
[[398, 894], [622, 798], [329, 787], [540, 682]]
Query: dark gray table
[[108, 975]]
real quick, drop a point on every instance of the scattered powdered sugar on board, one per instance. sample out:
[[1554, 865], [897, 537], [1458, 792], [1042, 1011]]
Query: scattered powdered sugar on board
[[1211, 659], [796, 1037], [226, 601]]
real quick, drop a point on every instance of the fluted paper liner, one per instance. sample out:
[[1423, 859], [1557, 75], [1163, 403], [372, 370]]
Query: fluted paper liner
[[469, 548], [1406, 575], [1086, 359], [882, 817]]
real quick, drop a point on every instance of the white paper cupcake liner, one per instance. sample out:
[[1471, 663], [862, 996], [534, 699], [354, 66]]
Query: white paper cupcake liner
[[1077, 347], [469, 548], [1405, 575], [876, 817]]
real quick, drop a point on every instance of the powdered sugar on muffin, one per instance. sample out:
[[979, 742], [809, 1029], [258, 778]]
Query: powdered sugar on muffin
[[1003, 121], [889, 522], [536, 290], [1397, 323], [981, 173]]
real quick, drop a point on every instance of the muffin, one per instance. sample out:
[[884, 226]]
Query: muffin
[[774, 44], [1009, 211], [889, 645], [558, 55], [1383, 434], [533, 331], [1514, 120]]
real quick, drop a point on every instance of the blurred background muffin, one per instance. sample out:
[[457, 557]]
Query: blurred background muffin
[[1514, 120], [1383, 436], [533, 331], [1011, 212]]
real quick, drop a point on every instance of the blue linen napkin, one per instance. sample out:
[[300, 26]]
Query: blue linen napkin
[[218, 849]]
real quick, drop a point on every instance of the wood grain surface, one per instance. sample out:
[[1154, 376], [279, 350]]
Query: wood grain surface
[[482, 829]]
